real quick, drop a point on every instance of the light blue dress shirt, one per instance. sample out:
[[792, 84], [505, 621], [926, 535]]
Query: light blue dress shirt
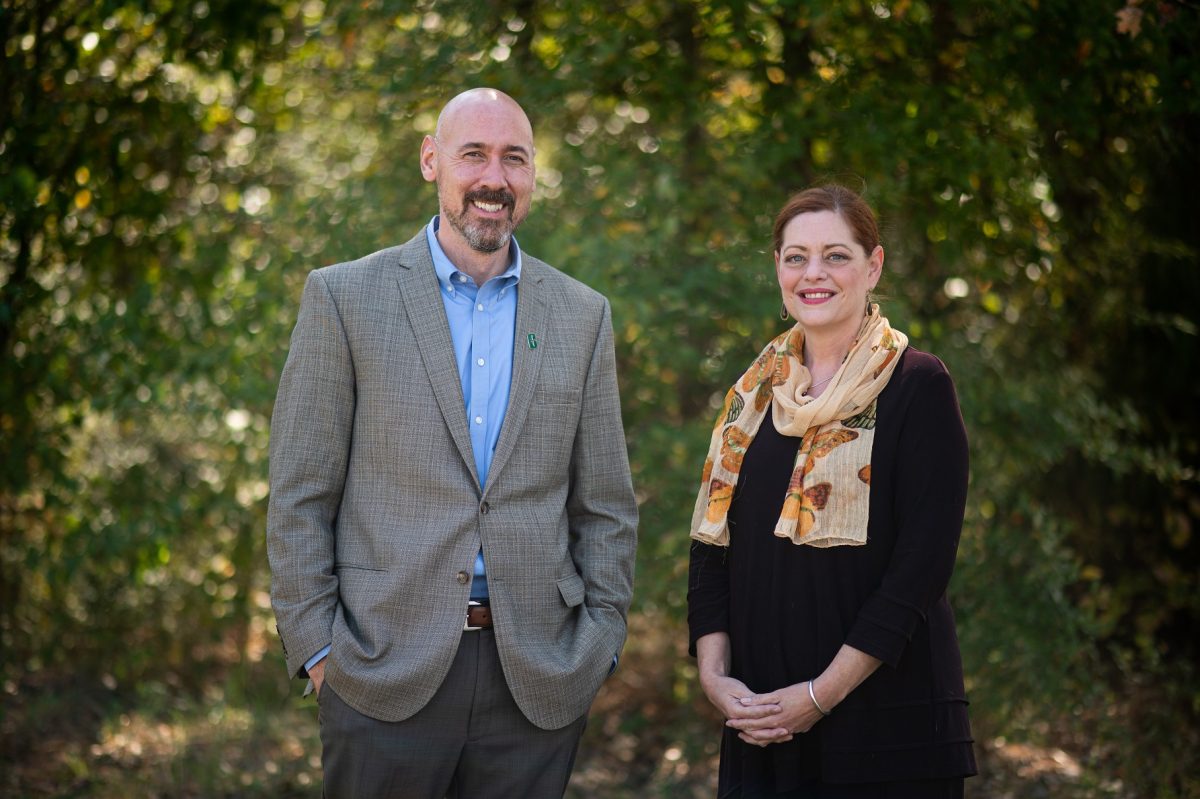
[[482, 324], [482, 321]]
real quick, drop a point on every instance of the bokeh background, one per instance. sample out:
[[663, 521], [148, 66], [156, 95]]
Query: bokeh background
[[170, 171]]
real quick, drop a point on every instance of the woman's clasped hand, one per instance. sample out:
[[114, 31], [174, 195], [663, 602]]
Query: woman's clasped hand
[[774, 717]]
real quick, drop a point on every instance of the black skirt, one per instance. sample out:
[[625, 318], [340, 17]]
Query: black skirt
[[920, 789]]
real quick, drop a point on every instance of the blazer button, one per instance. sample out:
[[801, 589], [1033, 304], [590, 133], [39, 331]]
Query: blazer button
[[484, 508], [462, 578]]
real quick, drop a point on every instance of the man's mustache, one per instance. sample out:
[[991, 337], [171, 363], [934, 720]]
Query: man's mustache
[[492, 196]]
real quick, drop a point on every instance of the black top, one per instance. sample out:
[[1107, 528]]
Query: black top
[[788, 608]]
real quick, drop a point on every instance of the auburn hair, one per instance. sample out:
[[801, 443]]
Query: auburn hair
[[844, 202]]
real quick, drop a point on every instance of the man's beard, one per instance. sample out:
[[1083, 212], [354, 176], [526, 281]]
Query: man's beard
[[485, 235]]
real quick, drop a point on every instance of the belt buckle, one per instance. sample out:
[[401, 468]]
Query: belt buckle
[[471, 603]]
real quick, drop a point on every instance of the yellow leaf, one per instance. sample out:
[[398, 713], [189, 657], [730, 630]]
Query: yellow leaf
[[822, 151]]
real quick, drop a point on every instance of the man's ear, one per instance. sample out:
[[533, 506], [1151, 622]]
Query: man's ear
[[429, 158]]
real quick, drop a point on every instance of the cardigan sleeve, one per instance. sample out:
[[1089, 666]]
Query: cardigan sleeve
[[931, 470], [708, 592]]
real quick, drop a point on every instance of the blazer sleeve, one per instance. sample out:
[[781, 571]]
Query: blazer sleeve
[[311, 430], [931, 471], [601, 510]]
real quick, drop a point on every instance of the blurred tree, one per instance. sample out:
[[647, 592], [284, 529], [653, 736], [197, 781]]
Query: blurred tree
[[125, 147]]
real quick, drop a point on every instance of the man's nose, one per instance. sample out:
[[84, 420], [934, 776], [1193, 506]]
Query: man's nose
[[492, 175]]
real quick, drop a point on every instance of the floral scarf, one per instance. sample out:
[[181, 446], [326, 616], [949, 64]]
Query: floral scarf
[[827, 499]]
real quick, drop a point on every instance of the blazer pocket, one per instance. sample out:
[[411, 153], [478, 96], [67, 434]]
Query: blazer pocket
[[572, 590], [340, 567], [550, 394]]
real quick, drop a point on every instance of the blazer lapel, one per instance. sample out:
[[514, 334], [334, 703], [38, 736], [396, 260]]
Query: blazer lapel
[[528, 338], [430, 328]]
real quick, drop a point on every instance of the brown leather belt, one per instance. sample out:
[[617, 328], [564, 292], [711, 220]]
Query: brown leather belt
[[479, 617]]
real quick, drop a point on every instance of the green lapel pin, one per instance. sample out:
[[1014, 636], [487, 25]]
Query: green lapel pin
[[532, 342]]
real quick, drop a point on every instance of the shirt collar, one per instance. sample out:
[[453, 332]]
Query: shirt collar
[[445, 268]]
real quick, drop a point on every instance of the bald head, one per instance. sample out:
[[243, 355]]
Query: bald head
[[483, 101]]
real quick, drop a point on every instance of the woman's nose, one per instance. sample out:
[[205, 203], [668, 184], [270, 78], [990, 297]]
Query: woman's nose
[[814, 266]]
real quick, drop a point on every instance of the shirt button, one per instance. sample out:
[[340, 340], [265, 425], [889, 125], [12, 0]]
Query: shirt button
[[462, 578], [480, 362], [478, 420], [479, 307]]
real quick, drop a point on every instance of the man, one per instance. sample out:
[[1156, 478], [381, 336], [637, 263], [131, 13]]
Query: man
[[452, 524]]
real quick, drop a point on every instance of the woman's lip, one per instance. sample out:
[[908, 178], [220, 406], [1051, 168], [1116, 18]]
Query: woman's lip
[[816, 297]]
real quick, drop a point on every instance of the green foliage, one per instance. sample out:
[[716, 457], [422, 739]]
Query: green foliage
[[169, 173], [133, 409]]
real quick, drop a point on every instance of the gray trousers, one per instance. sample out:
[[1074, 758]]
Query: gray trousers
[[470, 742]]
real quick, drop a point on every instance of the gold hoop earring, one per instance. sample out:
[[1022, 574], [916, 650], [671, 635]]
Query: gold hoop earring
[[783, 311]]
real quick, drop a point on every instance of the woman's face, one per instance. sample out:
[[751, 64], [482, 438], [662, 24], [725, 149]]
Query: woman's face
[[824, 274]]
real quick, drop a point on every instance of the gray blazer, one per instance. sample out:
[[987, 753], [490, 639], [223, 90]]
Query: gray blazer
[[376, 512]]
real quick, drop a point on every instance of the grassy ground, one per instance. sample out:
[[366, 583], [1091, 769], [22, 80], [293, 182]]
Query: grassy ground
[[245, 735]]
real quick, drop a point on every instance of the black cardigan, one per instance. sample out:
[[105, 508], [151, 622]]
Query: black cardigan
[[788, 609]]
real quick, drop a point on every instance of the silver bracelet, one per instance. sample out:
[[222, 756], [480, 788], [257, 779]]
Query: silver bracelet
[[813, 697]]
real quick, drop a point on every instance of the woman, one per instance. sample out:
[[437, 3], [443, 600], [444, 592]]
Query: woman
[[825, 533]]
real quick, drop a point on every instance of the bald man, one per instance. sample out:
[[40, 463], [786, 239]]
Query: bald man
[[452, 526]]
